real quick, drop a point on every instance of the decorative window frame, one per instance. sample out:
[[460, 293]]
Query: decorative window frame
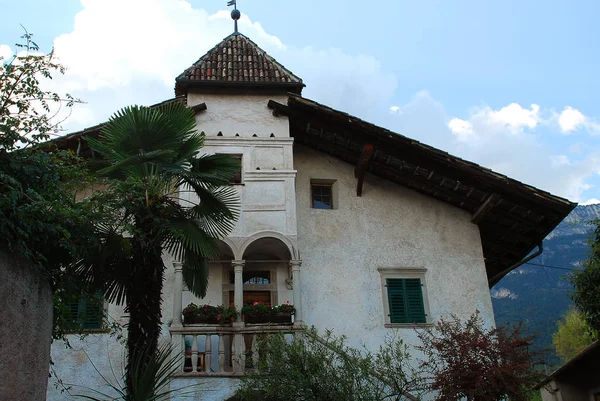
[[404, 273]]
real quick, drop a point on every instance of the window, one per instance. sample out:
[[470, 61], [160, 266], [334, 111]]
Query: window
[[253, 277], [237, 176], [404, 296], [87, 313], [322, 196], [405, 299]]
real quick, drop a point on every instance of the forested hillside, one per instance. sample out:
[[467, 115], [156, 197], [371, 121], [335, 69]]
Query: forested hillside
[[539, 295]]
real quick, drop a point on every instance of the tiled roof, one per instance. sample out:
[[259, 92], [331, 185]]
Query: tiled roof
[[237, 60]]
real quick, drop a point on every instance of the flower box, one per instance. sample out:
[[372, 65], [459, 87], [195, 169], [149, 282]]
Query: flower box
[[208, 314], [261, 313]]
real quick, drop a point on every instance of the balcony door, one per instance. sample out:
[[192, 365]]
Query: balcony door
[[253, 296]]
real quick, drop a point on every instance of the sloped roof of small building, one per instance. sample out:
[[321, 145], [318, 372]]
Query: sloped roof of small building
[[582, 370], [237, 62]]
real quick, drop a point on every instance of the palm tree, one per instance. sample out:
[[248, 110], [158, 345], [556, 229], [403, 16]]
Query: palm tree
[[151, 162]]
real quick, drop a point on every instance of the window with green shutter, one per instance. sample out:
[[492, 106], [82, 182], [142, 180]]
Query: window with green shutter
[[405, 299], [87, 313]]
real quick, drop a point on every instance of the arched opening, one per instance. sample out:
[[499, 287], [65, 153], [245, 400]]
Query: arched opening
[[265, 276]]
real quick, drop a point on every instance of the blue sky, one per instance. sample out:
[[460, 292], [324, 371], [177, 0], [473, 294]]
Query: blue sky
[[511, 85]]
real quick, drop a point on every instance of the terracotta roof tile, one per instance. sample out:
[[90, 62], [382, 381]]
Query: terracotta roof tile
[[237, 59]]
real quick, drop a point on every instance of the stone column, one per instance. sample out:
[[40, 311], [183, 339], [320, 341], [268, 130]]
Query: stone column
[[238, 286], [239, 359], [295, 266], [177, 294]]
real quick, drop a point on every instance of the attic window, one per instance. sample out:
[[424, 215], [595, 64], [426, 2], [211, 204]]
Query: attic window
[[321, 195]]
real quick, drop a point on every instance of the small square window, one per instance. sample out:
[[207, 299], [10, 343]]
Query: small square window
[[322, 196]]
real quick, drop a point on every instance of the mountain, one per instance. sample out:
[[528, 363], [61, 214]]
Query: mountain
[[539, 295]]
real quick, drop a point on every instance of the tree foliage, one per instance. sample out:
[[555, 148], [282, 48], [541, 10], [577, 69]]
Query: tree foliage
[[573, 335], [152, 173], [315, 368], [465, 360], [25, 108], [40, 219], [586, 283]]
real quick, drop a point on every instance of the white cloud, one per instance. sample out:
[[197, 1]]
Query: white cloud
[[514, 116], [592, 201], [507, 140], [570, 119], [461, 128], [136, 60], [5, 52]]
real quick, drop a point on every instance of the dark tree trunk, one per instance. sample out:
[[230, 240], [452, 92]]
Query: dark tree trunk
[[144, 307]]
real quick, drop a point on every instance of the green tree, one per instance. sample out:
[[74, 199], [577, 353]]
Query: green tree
[[315, 368], [150, 166], [586, 283], [573, 334], [40, 219]]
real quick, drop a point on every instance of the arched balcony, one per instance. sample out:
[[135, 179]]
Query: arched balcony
[[263, 269]]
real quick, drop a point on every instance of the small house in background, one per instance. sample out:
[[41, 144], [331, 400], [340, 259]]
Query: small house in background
[[577, 380], [364, 231]]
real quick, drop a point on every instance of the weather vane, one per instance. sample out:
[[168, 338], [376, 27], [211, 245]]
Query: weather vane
[[235, 14]]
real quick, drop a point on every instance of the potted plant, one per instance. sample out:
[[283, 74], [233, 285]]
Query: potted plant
[[228, 314], [208, 314], [256, 312], [283, 313], [259, 312]]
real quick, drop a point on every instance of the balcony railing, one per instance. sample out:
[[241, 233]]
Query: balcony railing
[[211, 350]]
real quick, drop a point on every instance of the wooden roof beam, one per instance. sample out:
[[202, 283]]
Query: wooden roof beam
[[485, 207], [199, 107], [361, 167]]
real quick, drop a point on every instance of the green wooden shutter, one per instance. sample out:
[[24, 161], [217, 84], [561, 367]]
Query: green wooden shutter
[[87, 312], [91, 315], [414, 299], [397, 300], [405, 299]]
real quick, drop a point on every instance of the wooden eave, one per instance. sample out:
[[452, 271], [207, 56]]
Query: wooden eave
[[512, 217], [182, 87]]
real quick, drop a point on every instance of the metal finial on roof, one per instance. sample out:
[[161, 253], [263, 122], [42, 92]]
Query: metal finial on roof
[[235, 14]]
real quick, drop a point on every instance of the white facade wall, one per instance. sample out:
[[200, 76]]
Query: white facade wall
[[390, 226]]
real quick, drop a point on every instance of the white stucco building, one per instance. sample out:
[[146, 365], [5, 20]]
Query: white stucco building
[[365, 231]]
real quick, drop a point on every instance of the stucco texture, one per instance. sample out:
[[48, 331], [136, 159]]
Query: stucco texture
[[245, 115], [388, 227], [25, 330], [93, 355]]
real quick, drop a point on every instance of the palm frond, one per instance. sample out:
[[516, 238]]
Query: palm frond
[[217, 211], [152, 381], [107, 267], [195, 273], [214, 169], [193, 239]]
